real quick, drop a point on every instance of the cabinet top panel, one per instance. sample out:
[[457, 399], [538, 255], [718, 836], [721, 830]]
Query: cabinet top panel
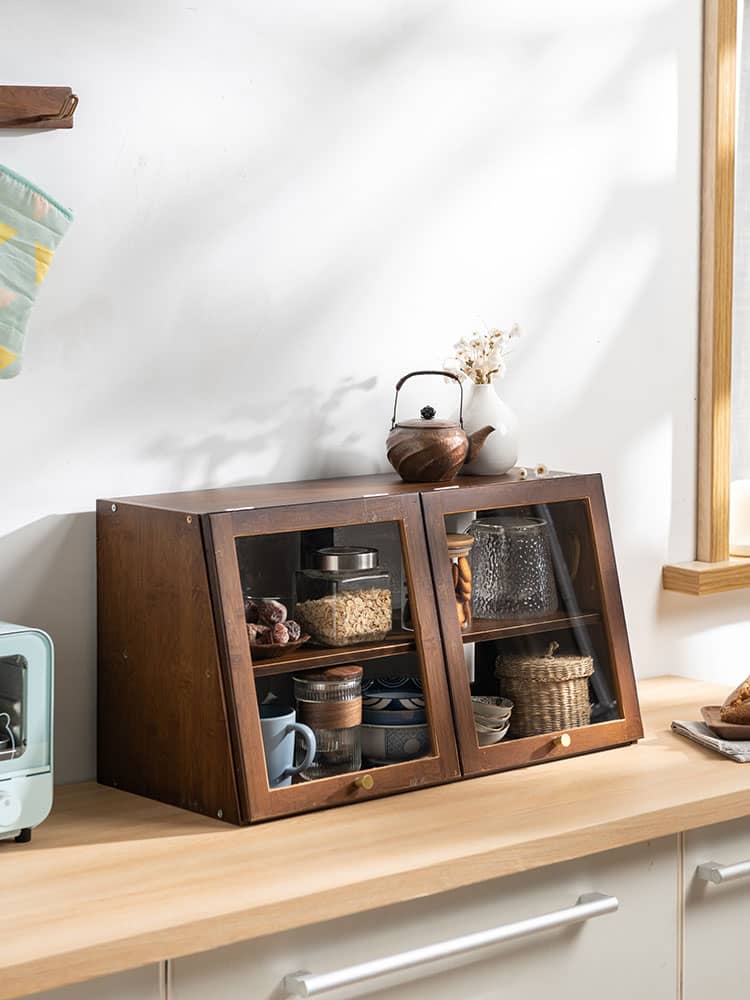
[[249, 497]]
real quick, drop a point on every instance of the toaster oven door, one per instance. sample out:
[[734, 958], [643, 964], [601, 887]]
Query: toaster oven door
[[25, 704]]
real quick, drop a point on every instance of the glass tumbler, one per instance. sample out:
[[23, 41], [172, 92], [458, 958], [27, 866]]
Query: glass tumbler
[[512, 572], [330, 703]]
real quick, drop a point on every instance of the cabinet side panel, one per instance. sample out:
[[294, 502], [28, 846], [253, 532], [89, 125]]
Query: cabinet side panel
[[162, 728]]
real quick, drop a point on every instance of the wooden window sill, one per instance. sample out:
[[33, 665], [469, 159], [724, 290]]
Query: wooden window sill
[[699, 578]]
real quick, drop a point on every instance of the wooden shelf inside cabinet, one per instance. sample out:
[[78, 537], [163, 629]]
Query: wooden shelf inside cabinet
[[38, 108], [316, 657], [399, 642], [489, 628]]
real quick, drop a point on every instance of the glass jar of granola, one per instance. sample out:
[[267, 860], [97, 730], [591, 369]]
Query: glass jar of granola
[[345, 598]]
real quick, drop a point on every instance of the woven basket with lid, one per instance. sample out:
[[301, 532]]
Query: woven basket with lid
[[549, 692]]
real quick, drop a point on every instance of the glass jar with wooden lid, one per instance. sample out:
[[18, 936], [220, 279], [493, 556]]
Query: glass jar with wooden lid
[[459, 547], [330, 703]]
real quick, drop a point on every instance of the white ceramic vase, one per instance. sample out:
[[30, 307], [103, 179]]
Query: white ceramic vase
[[483, 406]]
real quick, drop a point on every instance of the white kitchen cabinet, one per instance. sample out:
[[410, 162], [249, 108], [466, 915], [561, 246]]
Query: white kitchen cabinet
[[145, 983], [631, 952], [716, 915]]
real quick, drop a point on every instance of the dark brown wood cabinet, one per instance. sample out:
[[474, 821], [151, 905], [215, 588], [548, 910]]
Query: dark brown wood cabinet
[[179, 692], [580, 612]]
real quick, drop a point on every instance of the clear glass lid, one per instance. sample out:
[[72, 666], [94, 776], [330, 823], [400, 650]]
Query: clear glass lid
[[502, 523]]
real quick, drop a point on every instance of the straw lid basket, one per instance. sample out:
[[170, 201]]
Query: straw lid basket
[[549, 692]]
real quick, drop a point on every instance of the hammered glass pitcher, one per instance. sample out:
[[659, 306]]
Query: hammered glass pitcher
[[511, 565]]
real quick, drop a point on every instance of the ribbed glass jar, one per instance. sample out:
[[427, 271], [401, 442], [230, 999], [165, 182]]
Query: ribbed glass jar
[[330, 703]]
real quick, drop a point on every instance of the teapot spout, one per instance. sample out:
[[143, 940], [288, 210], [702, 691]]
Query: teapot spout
[[476, 440]]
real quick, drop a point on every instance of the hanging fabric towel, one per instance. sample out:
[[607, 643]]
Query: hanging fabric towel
[[31, 226]]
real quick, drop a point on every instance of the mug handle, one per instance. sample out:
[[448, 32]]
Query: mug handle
[[312, 746]]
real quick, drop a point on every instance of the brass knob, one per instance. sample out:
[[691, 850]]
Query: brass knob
[[563, 740], [365, 781]]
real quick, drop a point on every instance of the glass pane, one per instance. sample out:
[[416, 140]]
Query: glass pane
[[338, 678], [25, 701], [13, 700], [529, 606]]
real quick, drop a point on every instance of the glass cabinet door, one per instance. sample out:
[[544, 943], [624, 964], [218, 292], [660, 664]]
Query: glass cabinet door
[[335, 663], [532, 620]]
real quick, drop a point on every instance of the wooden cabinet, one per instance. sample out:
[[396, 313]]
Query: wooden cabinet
[[545, 589], [262, 551], [181, 693], [584, 960], [146, 983], [716, 911]]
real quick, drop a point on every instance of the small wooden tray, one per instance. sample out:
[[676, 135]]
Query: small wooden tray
[[724, 730], [267, 651]]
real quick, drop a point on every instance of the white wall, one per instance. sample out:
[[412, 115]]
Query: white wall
[[282, 207]]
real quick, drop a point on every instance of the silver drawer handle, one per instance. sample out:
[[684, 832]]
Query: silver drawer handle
[[305, 984], [712, 871]]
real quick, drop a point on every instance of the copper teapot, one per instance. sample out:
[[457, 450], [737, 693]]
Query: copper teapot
[[429, 450]]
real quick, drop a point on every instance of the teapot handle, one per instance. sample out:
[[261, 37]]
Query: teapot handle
[[445, 374]]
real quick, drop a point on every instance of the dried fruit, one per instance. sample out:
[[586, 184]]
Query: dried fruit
[[271, 612], [293, 629], [257, 633], [280, 634]]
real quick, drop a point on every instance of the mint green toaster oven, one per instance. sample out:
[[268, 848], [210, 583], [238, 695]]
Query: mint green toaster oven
[[26, 694]]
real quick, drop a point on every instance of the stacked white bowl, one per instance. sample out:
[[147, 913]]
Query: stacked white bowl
[[491, 718]]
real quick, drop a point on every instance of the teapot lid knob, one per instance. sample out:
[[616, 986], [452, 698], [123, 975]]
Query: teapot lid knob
[[427, 412]]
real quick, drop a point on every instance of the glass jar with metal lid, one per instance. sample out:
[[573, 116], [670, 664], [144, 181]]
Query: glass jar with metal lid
[[345, 598]]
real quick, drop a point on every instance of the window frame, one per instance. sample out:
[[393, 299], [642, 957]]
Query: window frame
[[714, 570]]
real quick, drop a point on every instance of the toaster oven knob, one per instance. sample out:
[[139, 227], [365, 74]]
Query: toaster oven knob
[[10, 810]]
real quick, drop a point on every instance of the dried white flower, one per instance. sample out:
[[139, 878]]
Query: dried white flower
[[541, 470], [484, 356]]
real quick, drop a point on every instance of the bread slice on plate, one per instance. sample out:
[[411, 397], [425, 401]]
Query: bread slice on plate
[[736, 708]]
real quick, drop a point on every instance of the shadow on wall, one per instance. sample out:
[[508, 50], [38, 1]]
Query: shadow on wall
[[48, 567], [314, 434], [48, 570]]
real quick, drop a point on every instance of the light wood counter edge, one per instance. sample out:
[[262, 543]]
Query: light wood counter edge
[[70, 964]]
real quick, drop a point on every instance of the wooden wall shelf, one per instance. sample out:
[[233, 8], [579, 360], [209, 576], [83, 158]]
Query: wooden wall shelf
[[38, 108], [702, 578]]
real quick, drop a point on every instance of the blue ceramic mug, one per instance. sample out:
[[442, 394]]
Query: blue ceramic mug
[[279, 726]]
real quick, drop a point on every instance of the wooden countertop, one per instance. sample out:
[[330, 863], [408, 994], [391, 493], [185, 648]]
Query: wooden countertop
[[113, 881]]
